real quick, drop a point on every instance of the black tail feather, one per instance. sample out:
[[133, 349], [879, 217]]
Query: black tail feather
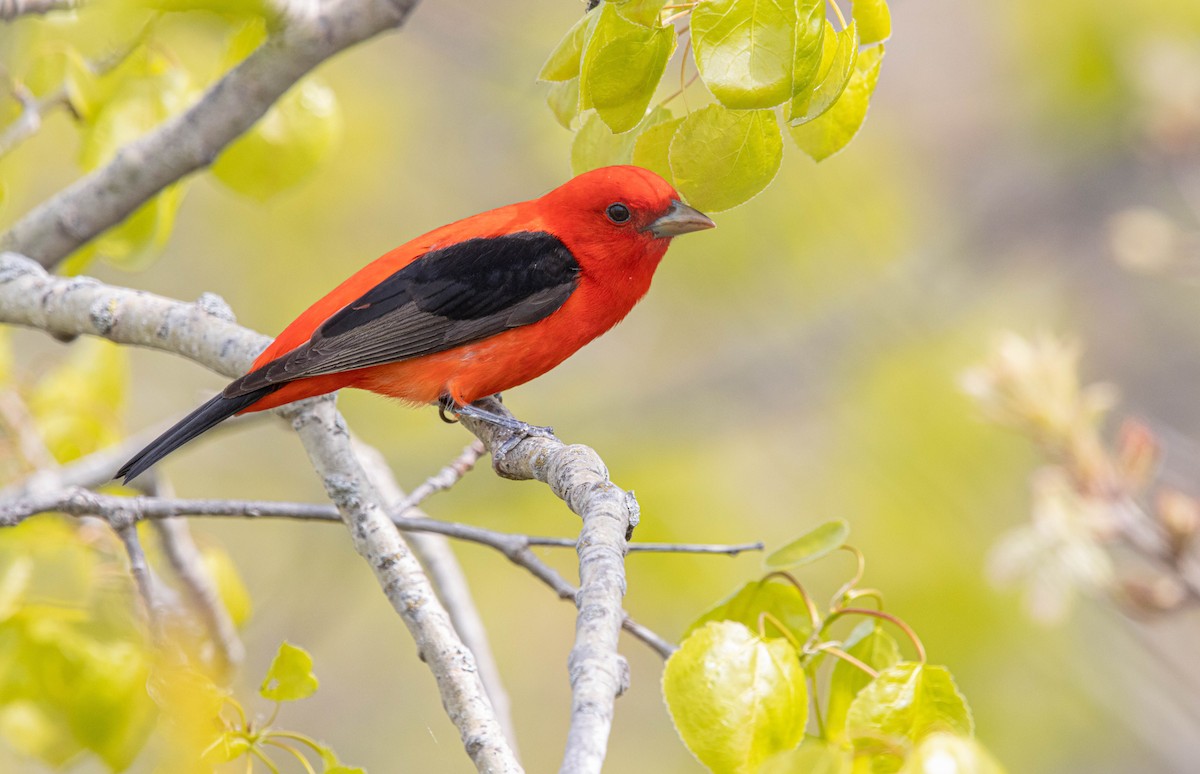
[[204, 418]]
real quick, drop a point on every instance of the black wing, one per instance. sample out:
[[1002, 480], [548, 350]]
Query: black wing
[[446, 298]]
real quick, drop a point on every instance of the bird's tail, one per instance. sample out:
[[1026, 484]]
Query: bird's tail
[[204, 418]]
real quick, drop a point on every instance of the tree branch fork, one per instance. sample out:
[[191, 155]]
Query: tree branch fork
[[205, 332]]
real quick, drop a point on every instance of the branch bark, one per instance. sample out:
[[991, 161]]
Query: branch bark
[[579, 477], [206, 333], [439, 561], [310, 34]]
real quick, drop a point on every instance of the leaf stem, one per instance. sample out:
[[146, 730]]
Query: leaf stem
[[908, 630], [833, 650], [849, 585], [874, 594], [765, 616], [298, 737], [299, 756], [813, 614], [816, 703], [838, 12], [266, 761]]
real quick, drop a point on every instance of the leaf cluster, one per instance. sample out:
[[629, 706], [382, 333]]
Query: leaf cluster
[[742, 688], [289, 678], [73, 661], [120, 69], [769, 66]]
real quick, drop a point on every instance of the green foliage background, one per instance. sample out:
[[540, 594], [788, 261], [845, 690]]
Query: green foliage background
[[797, 364]]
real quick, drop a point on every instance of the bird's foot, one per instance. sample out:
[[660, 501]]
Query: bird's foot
[[517, 431]]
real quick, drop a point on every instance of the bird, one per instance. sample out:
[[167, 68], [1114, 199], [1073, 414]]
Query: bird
[[468, 310]]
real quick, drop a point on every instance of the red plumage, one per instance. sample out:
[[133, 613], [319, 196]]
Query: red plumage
[[472, 308]]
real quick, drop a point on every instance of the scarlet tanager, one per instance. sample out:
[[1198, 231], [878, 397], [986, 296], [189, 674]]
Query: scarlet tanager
[[470, 309]]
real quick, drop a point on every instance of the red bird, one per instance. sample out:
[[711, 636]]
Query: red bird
[[470, 309]]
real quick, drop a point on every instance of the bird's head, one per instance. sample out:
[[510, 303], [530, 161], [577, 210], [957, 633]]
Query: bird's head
[[630, 211]]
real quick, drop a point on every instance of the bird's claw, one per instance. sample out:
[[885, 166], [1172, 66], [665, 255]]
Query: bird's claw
[[518, 433], [515, 431]]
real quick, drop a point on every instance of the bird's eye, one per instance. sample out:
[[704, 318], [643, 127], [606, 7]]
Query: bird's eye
[[617, 213]]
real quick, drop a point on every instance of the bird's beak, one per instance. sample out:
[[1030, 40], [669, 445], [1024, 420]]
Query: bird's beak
[[679, 219]]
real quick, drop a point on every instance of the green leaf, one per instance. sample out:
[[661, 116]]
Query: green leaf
[[77, 406], [873, 646], [62, 66], [810, 44], [813, 756], [244, 40], [235, 8], [290, 676], [840, 51], [111, 713], [286, 146], [228, 581], [771, 595], [746, 50], [721, 158], [563, 62], [905, 703], [950, 753], [832, 131], [735, 699], [621, 67], [874, 20], [143, 91], [810, 546], [563, 99], [651, 150], [139, 94], [596, 146], [644, 12], [138, 240], [36, 731]]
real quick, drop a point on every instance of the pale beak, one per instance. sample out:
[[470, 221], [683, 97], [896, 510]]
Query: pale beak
[[679, 219]]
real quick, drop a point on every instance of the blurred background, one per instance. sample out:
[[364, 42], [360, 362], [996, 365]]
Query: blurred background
[[1025, 166]]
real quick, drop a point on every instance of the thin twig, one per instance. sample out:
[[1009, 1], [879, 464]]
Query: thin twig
[[33, 111], [98, 467], [139, 568], [695, 548], [444, 478], [76, 501], [14, 414], [188, 563], [515, 547]]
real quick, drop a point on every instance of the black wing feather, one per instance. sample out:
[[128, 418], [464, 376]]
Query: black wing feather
[[446, 298]]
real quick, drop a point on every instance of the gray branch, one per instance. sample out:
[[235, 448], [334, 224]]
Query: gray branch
[[191, 140], [206, 333], [448, 578], [597, 671], [185, 558]]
